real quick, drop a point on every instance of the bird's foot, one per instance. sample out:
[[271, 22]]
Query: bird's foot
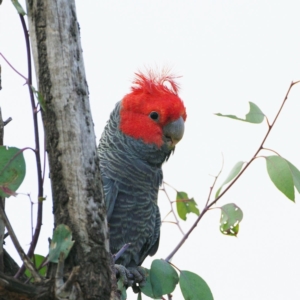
[[124, 275], [139, 275], [131, 275]]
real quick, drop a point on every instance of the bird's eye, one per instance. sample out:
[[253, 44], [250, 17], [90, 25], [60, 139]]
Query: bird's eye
[[154, 115]]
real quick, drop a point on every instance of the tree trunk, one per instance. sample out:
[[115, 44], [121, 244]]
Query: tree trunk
[[70, 143]]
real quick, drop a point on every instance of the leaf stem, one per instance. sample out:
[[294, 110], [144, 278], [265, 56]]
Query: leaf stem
[[268, 149]]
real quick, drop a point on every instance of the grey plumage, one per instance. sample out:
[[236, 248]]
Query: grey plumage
[[131, 175]]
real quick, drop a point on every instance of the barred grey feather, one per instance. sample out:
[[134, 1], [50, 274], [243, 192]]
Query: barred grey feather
[[131, 175]]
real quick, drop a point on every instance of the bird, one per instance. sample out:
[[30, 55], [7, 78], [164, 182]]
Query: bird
[[140, 135]]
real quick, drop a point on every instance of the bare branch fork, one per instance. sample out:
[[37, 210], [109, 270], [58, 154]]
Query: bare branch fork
[[209, 205], [172, 209], [18, 247]]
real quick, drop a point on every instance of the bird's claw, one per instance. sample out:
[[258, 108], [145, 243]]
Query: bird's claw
[[124, 275], [139, 275], [131, 275]]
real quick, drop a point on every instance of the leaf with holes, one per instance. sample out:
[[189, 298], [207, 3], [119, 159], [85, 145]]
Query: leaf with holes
[[233, 173], [163, 278], [231, 216], [255, 115], [185, 205], [193, 287], [281, 175], [61, 242], [12, 170]]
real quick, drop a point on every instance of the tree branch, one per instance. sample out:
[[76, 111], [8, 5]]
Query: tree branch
[[18, 247], [37, 151], [207, 206]]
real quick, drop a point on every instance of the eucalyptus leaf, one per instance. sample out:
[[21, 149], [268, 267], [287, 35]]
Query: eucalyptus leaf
[[61, 242], [12, 170], [231, 216], [233, 173], [296, 175], [255, 115], [163, 278], [37, 260], [185, 205], [193, 287], [280, 173], [18, 7]]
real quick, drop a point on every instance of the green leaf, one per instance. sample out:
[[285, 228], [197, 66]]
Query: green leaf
[[147, 287], [233, 173], [280, 173], [255, 115], [231, 216], [163, 278], [296, 175], [193, 287], [122, 289], [61, 242], [12, 170], [185, 205], [39, 98], [18, 7], [37, 260]]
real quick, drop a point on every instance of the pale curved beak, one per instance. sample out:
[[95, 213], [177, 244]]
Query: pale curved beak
[[173, 132]]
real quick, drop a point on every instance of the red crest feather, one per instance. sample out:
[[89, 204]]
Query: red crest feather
[[152, 82]]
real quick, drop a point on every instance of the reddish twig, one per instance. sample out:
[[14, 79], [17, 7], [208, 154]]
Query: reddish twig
[[37, 152], [208, 206], [172, 209]]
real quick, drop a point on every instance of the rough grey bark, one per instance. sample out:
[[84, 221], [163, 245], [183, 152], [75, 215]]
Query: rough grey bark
[[70, 141]]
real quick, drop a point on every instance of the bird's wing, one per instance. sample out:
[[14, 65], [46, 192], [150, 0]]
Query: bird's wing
[[110, 188]]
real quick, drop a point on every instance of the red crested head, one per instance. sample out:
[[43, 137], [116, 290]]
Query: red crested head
[[151, 107]]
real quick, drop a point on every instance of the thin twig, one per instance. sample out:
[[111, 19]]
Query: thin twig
[[165, 183], [14, 68], [18, 247], [171, 222], [120, 252], [163, 220], [7, 121], [172, 209], [37, 152], [207, 207], [214, 182]]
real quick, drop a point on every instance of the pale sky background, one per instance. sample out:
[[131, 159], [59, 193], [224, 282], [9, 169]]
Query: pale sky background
[[228, 53]]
